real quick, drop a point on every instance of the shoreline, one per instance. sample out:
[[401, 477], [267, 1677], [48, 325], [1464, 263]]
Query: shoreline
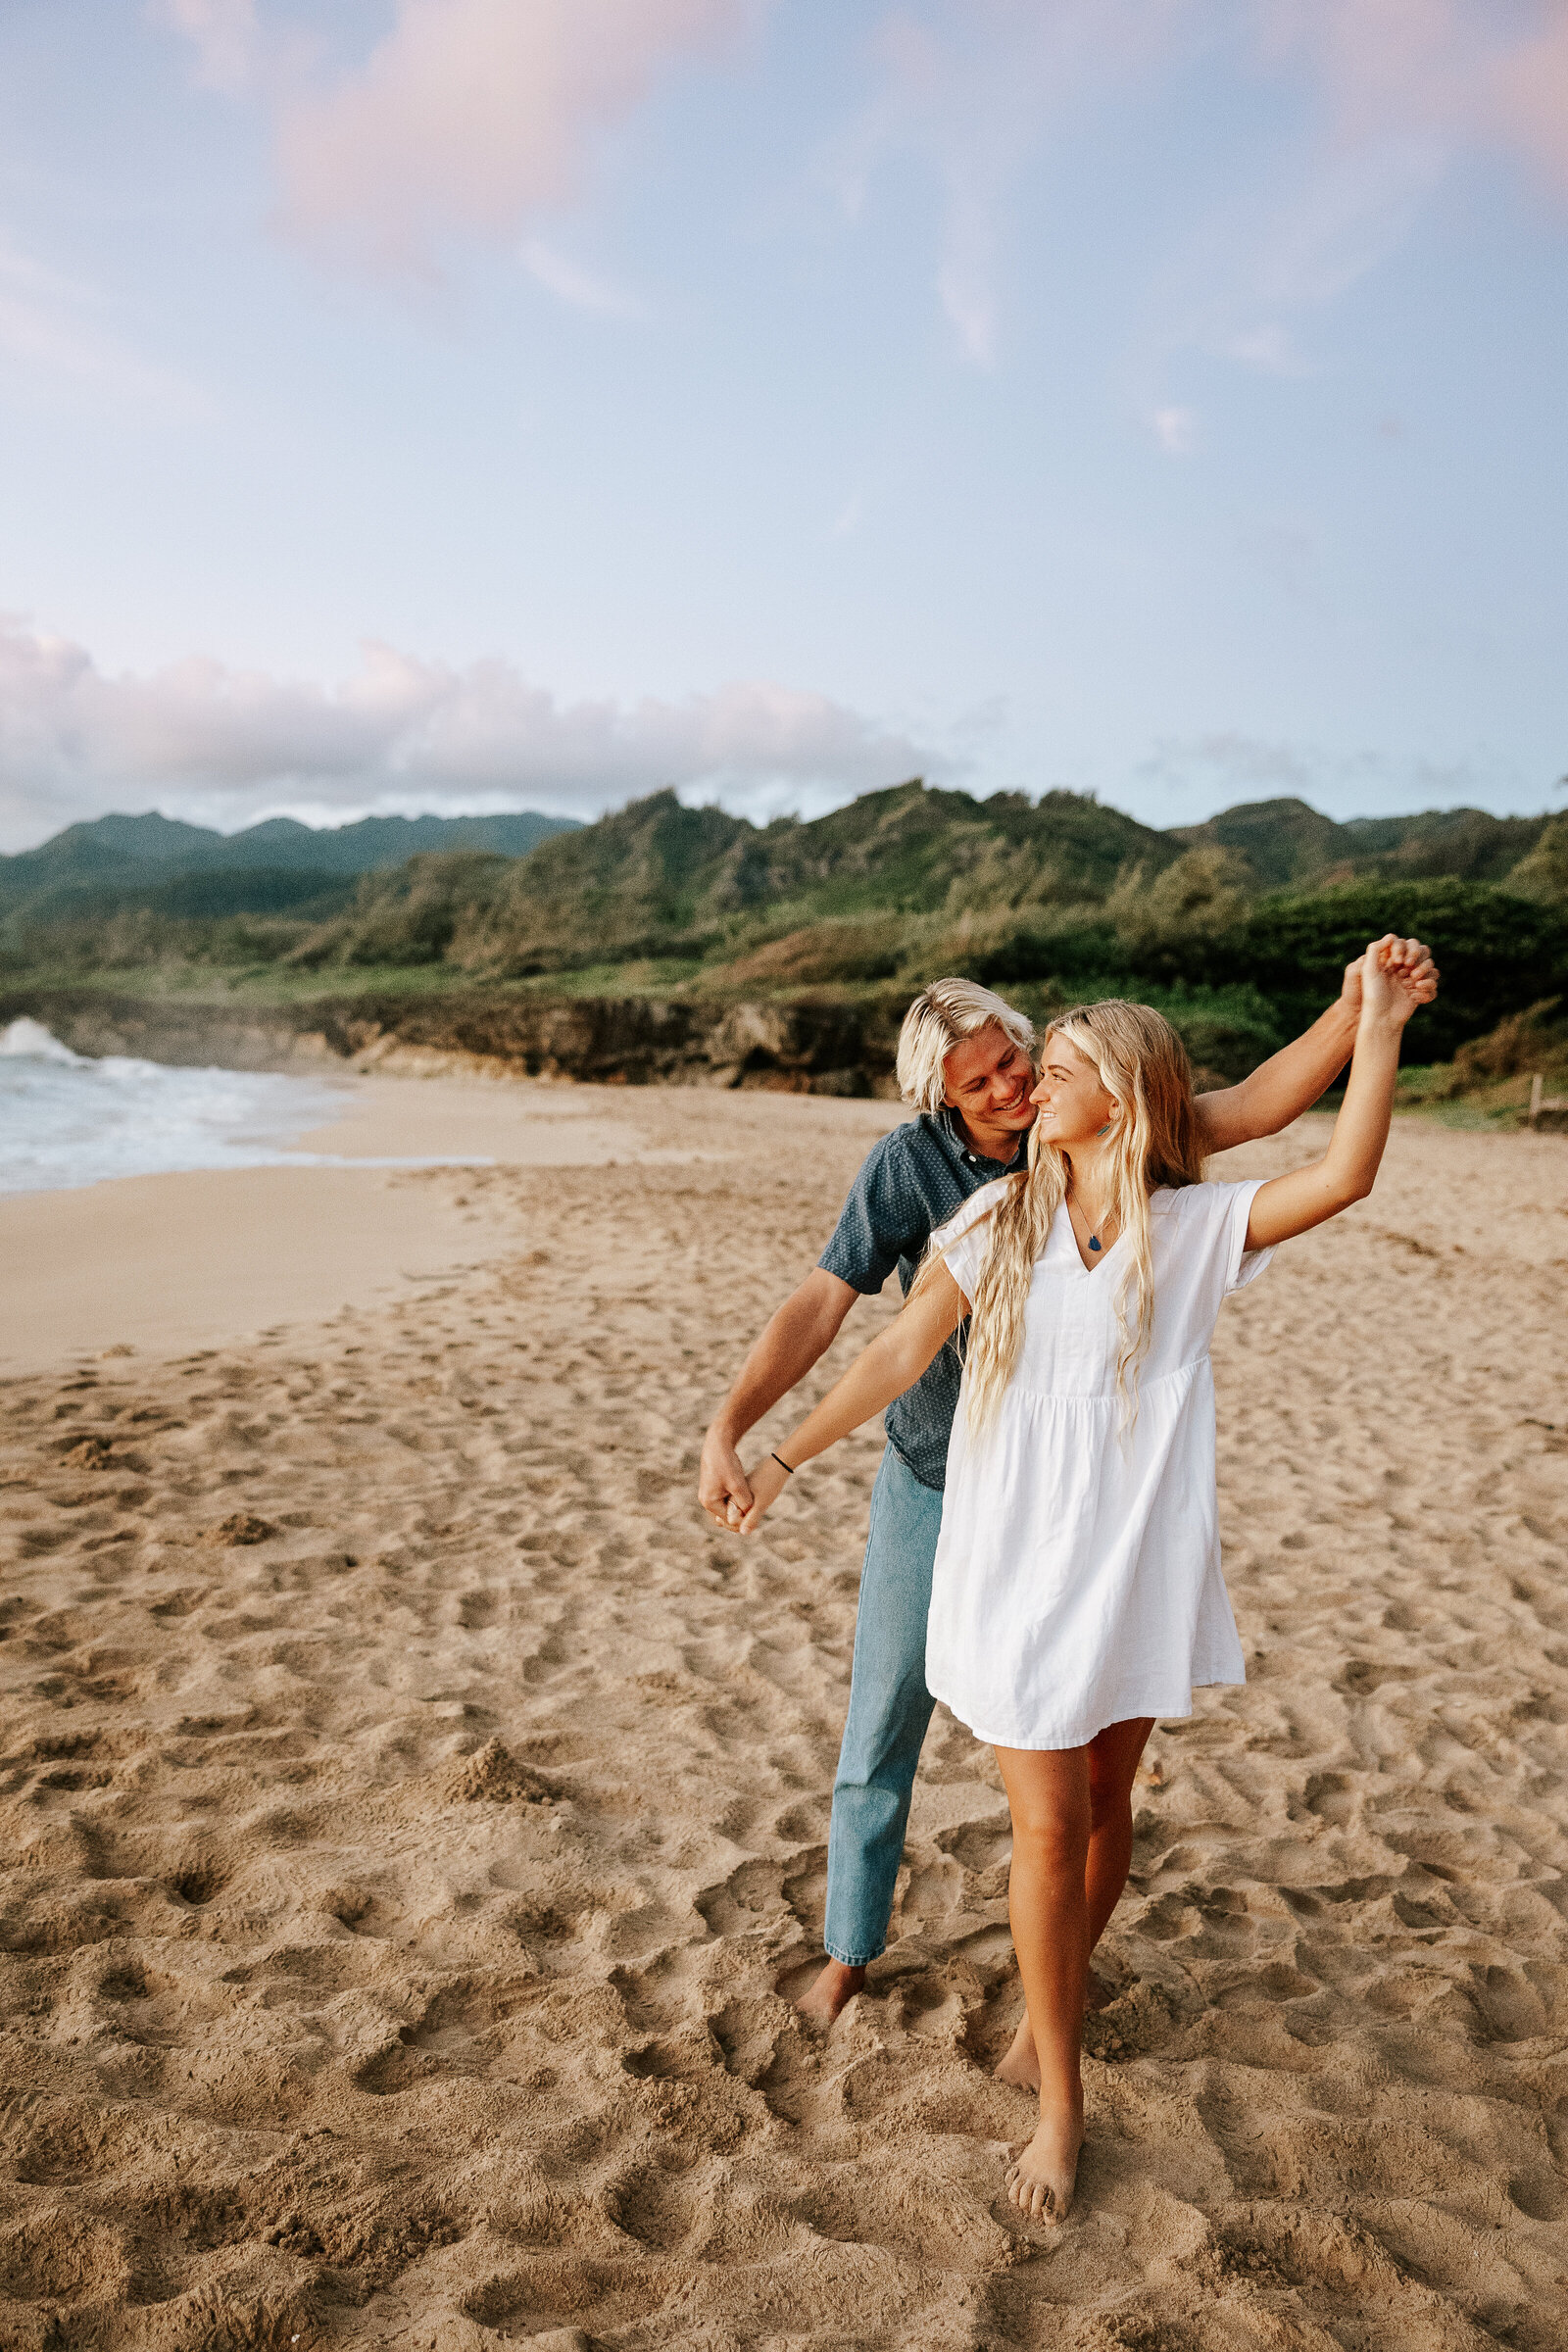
[[165, 1263]]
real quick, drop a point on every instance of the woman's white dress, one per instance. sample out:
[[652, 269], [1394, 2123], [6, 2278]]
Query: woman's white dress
[[1077, 1578]]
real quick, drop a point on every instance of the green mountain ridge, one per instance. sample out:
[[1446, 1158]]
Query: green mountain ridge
[[657, 871], [1291, 844], [1239, 926], [126, 857], [904, 879]]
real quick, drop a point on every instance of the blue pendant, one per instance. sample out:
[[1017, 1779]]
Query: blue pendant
[[1094, 1242]]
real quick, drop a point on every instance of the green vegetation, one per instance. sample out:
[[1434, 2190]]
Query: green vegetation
[[1239, 928], [1488, 1079]]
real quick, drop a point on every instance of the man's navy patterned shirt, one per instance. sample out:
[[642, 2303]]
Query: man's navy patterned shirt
[[912, 1180]]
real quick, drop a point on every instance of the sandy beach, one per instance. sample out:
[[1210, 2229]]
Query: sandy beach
[[414, 1811], [169, 1262]]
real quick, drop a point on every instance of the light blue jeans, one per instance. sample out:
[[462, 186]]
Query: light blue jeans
[[890, 1708]]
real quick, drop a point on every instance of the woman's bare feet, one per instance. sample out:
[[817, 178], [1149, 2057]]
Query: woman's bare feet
[[1021, 2065], [829, 1993], [1041, 2182]]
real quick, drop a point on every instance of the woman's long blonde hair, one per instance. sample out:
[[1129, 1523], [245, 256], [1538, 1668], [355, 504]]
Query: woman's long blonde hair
[[1142, 1067]]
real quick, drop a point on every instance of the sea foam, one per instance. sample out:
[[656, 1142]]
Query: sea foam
[[69, 1119]]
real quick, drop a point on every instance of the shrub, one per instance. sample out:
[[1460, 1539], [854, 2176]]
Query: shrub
[[1203, 895], [1497, 953], [842, 951], [1544, 874], [1522, 1042]]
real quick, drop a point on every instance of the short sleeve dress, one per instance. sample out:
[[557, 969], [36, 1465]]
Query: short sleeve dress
[[1077, 1579]]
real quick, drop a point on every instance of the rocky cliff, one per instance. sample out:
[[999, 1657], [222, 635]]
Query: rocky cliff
[[806, 1046]]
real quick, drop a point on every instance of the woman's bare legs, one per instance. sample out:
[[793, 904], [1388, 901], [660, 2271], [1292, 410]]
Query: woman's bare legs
[[1048, 1792], [1113, 1757]]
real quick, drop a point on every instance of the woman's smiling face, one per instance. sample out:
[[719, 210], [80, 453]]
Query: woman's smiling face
[[1070, 1097]]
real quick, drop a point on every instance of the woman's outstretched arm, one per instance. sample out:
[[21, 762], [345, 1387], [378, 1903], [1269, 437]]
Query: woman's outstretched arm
[[1291, 1081], [1308, 1197], [893, 1362]]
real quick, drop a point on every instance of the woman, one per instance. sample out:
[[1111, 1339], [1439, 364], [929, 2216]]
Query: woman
[[1077, 1592]]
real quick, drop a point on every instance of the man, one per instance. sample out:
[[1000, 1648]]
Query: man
[[966, 1065]]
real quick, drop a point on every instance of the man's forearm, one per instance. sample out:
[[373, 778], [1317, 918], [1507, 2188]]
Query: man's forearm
[[1280, 1089], [797, 1337]]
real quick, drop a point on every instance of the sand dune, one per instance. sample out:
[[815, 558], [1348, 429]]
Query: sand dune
[[414, 1818]]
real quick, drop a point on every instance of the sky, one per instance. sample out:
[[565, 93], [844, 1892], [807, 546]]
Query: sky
[[464, 404]]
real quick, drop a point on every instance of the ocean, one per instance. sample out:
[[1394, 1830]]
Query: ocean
[[67, 1119]]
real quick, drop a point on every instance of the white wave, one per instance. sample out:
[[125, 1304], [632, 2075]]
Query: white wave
[[68, 1119], [30, 1041]]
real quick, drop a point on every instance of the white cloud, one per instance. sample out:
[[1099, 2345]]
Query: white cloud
[[480, 116], [578, 288], [226, 746], [1176, 430], [848, 518], [54, 343], [224, 33], [971, 88], [1356, 208], [1267, 348], [974, 87]]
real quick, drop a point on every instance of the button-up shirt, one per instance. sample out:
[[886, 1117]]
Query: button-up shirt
[[911, 1181]]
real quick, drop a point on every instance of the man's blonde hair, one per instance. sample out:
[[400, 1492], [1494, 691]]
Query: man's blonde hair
[[940, 1017]]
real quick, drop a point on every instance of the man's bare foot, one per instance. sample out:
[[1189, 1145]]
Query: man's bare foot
[[1021, 2066], [828, 1993], [1041, 2182]]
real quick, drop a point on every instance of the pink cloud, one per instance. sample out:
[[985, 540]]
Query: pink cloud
[[1474, 75], [475, 114], [478, 116], [1527, 100], [404, 732]]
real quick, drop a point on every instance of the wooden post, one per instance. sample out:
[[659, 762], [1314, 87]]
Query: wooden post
[[1537, 1089]]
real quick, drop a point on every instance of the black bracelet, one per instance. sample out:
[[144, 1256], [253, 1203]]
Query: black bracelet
[[785, 1466]]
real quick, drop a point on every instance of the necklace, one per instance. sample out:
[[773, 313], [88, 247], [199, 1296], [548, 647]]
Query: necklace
[[1093, 1237]]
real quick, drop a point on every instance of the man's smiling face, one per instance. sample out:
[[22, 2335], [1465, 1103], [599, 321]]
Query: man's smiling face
[[988, 1082]]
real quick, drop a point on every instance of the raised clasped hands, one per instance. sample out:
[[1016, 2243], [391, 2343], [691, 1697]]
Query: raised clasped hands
[[1394, 984], [1410, 957]]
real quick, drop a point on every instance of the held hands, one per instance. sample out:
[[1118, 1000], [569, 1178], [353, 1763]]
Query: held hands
[[721, 1483], [1409, 957], [767, 1483], [730, 1498], [1394, 984]]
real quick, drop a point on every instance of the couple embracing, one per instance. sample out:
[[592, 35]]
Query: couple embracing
[[1042, 1554]]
